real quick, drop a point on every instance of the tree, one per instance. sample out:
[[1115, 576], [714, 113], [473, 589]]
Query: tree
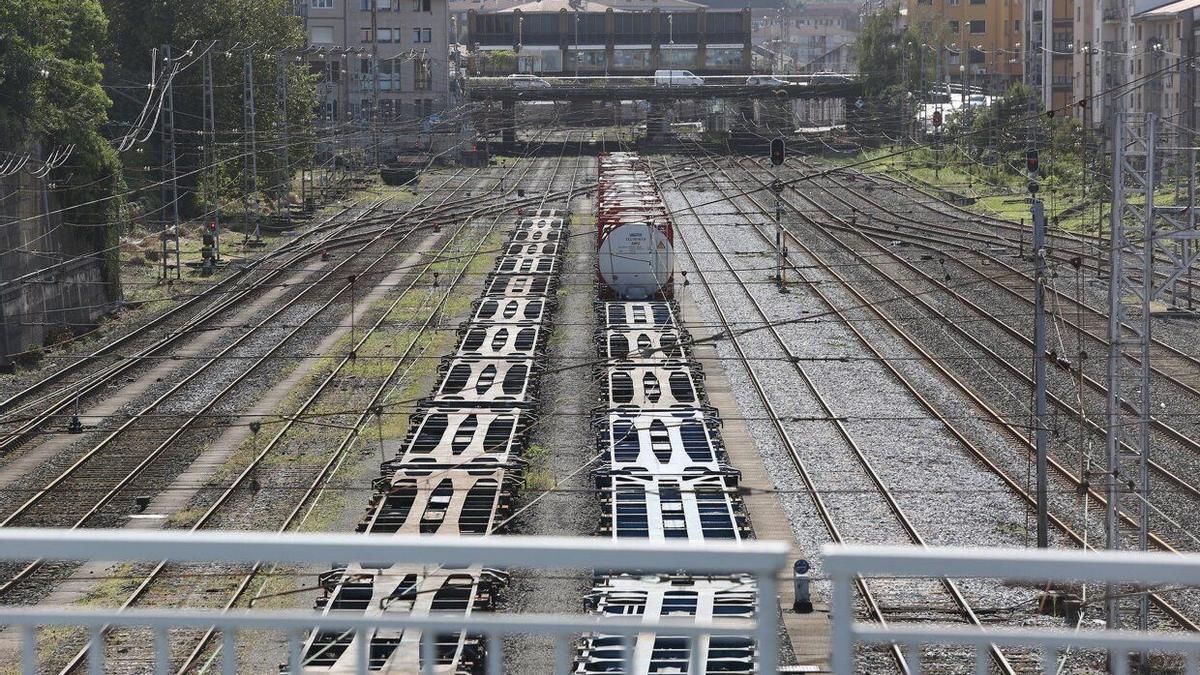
[[51, 96], [267, 28]]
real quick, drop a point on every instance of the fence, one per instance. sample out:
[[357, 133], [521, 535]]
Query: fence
[[845, 564], [764, 560]]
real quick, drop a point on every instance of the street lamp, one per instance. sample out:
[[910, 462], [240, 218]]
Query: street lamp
[[670, 29], [962, 81]]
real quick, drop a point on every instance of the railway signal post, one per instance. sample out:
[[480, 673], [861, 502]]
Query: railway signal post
[[778, 154]]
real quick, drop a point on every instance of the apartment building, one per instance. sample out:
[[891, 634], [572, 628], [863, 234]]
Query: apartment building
[[975, 42], [1158, 55], [401, 44], [1167, 39]]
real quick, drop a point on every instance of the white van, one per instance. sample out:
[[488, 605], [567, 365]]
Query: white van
[[676, 78]]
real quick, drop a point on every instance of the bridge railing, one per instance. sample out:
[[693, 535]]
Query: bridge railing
[[762, 560], [600, 81], [845, 565]]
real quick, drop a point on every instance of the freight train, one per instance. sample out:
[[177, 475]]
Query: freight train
[[666, 474], [634, 236], [457, 470]]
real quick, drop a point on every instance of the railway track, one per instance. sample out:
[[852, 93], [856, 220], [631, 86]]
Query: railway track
[[1178, 391], [990, 230], [1015, 431], [224, 295], [902, 528], [456, 462], [239, 483]]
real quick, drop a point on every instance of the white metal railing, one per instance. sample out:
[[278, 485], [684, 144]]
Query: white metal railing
[[845, 564], [764, 560]]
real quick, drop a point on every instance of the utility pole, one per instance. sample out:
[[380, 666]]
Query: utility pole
[[778, 155], [250, 165], [375, 79], [1131, 288], [281, 104], [1047, 54], [170, 233], [210, 151], [1041, 423]]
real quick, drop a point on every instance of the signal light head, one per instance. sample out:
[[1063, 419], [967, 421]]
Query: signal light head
[[778, 152]]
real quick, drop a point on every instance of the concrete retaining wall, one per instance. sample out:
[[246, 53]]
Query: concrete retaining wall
[[51, 278]]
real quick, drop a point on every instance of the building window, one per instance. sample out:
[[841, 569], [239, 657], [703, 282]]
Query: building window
[[416, 35], [978, 2], [978, 26], [587, 59], [678, 58], [322, 4], [722, 58], [426, 35], [321, 35], [364, 35], [631, 59], [383, 34], [422, 6]]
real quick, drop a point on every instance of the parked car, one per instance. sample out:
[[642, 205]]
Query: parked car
[[524, 81], [765, 81], [676, 78]]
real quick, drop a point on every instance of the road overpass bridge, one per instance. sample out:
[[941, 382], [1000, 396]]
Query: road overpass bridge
[[644, 89], [748, 93]]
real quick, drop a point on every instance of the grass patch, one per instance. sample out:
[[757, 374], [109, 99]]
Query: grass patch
[[997, 192], [537, 476]]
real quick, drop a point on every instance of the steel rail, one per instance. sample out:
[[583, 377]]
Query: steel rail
[[1086, 254], [337, 455], [244, 372], [334, 457], [823, 511], [297, 246], [1192, 363], [1017, 435], [1164, 428]]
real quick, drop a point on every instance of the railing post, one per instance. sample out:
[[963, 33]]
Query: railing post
[[162, 651], [95, 651], [766, 624], [29, 650], [843, 620]]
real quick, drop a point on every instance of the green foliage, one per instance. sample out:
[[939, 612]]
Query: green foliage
[[51, 96], [499, 62], [269, 25], [890, 57]]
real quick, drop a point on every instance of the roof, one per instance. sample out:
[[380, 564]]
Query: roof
[[557, 5], [592, 6], [1169, 8]]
